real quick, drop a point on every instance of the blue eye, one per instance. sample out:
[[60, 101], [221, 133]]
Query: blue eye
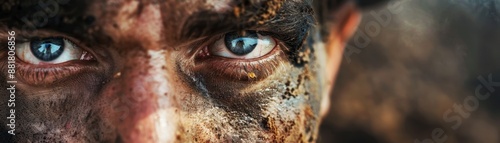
[[47, 49], [241, 43], [50, 51]]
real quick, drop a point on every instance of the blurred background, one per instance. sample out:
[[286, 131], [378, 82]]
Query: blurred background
[[409, 64]]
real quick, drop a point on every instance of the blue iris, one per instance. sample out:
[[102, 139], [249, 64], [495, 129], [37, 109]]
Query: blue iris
[[241, 44], [47, 49]]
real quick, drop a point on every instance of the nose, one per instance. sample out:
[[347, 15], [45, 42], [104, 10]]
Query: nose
[[144, 108]]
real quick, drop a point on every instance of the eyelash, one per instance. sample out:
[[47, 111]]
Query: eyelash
[[240, 69], [209, 66], [46, 75], [50, 74]]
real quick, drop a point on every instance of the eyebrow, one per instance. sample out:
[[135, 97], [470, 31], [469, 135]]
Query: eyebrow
[[64, 16], [290, 24]]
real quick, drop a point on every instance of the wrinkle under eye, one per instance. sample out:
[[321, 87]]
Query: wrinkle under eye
[[262, 55], [49, 60]]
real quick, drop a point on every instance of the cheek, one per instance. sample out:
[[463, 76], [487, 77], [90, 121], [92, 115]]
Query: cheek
[[294, 111], [59, 113], [278, 108], [324, 71]]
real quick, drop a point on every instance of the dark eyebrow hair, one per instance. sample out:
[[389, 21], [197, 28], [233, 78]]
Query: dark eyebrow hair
[[64, 16], [290, 24]]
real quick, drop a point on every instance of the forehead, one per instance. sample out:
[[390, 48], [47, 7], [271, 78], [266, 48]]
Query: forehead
[[168, 7], [178, 11], [197, 5], [177, 20]]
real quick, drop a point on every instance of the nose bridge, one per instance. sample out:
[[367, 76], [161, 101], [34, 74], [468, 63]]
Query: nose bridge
[[143, 103], [146, 107]]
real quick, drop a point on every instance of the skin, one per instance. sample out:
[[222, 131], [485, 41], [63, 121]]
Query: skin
[[148, 79]]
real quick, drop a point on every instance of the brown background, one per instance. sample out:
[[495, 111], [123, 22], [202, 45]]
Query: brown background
[[426, 59]]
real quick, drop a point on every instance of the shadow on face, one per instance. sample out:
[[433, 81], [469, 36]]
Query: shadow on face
[[171, 71]]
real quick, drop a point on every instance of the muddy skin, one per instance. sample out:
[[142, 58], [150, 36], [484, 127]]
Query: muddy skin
[[147, 83]]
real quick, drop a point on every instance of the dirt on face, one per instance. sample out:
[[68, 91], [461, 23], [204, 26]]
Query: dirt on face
[[145, 82]]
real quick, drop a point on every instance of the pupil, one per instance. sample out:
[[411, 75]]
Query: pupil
[[241, 44], [47, 49]]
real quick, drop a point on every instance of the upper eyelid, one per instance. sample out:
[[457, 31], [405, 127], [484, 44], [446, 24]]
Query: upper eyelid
[[208, 41], [42, 34], [76, 43], [196, 24], [25, 36]]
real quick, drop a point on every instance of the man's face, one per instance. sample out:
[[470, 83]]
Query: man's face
[[163, 71]]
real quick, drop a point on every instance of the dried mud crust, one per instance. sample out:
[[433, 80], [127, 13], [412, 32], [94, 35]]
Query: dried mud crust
[[266, 11]]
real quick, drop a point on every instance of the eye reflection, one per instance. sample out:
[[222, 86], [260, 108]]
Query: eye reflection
[[50, 51], [47, 49], [243, 45]]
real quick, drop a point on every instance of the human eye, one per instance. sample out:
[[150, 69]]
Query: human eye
[[241, 55], [47, 60], [47, 51], [243, 45]]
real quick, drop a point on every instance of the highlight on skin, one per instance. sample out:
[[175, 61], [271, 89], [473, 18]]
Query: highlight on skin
[[149, 75]]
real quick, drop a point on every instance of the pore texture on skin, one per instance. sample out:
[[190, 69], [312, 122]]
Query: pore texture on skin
[[147, 71]]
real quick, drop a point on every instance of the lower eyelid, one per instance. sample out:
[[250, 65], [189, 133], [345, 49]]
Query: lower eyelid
[[47, 75], [70, 52], [242, 69]]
